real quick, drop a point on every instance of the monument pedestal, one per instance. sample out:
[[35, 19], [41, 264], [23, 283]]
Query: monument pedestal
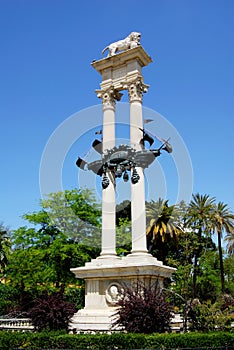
[[105, 278]]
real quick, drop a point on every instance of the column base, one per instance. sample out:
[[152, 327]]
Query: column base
[[139, 252], [105, 278], [108, 256]]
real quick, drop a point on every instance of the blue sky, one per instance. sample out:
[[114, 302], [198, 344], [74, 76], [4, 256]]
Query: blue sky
[[45, 77]]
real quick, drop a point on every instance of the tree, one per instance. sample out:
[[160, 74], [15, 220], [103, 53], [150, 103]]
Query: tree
[[162, 226], [36, 263], [230, 242], [4, 247], [199, 219], [123, 237], [209, 317], [75, 213], [123, 227], [222, 221], [43, 255], [229, 274], [123, 211], [208, 280]]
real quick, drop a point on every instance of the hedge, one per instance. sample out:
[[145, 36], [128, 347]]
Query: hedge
[[51, 340]]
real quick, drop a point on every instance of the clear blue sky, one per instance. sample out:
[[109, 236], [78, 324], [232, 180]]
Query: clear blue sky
[[45, 77]]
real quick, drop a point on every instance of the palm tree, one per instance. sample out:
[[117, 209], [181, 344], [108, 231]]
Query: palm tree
[[230, 239], [199, 219], [222, 221], [162, 225]]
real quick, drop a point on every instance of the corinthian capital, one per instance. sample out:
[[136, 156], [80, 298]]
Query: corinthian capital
[[109, 97], [136, 89]]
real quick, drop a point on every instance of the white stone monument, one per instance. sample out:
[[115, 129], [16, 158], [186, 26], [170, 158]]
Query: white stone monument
[[106, 276]]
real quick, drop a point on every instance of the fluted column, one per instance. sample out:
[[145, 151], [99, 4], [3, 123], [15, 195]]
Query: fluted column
[[135, 92], [108, 194]]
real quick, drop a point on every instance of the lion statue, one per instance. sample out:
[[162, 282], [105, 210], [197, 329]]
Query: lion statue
[[132, 40]]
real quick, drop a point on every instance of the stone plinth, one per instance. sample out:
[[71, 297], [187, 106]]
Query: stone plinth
[[104, 280]]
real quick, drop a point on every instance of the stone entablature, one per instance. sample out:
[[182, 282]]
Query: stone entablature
[[122, 69]]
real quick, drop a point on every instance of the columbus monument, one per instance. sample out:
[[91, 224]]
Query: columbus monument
[[106, 276]]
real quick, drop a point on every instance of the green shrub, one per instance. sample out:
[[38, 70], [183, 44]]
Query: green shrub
[[210, 317], [76, 295], [8, 298], [58, 340]]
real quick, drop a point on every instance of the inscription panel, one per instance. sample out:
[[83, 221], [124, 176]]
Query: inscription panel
[[119, 72]]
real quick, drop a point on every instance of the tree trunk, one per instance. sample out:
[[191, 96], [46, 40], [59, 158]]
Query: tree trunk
[[221, 263], [195, 276], [195, 265]]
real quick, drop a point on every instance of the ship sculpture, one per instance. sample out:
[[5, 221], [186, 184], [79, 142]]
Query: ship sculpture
[[122, 159]]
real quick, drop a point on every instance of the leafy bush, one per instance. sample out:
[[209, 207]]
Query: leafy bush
[[210, 317], [58, 340], [76, 295], [143, 309], [8, 299], [227, 302], [51, 312]]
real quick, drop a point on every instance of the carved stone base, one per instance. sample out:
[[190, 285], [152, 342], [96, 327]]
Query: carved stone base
[[105, 278], [86, 320]]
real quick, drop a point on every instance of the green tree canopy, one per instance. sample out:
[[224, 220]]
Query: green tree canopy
[[163, 226], [73, 212], [222, 221], [61, 239], [4, 247]]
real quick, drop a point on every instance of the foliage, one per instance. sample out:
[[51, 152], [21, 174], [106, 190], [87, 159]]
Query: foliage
[[123, 212], [56, 340], [162, 226], [230, 242], [65, 233], [43, 255], [227, 302], [123, 237], [208, 280], [34, 269], [143, 309], [229, 274], [222, 221], [75, 213], [75, 295], [210, 317], [51, 312], [8, 299], [123, 228], [4, 247], [199, 219]]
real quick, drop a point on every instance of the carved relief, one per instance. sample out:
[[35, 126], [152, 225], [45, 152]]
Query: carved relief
[[113, 293]]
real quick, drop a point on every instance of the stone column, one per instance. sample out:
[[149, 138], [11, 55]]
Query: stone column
[[108, 195], [135, 92]]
